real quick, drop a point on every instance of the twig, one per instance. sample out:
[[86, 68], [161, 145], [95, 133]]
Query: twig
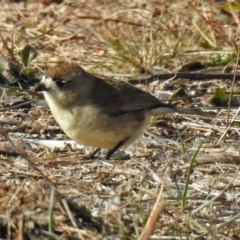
[[230, 124], [216, 197], [158, 207], [186, 75], [72, 218], [233, 83]]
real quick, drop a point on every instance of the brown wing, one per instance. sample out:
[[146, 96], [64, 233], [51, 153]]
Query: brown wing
[[117, 97], [112, 96]]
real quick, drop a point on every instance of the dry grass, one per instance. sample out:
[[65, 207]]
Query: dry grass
[[166, 190]]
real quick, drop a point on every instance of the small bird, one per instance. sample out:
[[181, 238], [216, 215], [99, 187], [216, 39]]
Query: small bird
[[101, 113]]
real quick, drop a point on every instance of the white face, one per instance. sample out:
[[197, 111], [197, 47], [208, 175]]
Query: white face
[[52, 89], [59, 95], [49, 83]]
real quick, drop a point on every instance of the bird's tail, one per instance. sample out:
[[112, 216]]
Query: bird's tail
[[195, 111]]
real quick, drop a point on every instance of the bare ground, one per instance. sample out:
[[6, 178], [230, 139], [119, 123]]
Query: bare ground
[[194, 174]]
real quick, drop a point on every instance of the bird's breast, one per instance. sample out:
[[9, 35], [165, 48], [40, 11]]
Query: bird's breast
[[88, 125]]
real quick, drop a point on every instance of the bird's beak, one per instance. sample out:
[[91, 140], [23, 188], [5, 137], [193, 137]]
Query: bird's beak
[[40, 87]]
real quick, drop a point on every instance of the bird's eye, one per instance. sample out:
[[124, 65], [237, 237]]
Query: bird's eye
[[61, 83]]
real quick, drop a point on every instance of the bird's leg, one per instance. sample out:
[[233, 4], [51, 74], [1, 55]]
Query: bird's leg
[[112, 151], [92, 155]]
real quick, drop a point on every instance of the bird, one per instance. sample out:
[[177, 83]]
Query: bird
[[97, 112]]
